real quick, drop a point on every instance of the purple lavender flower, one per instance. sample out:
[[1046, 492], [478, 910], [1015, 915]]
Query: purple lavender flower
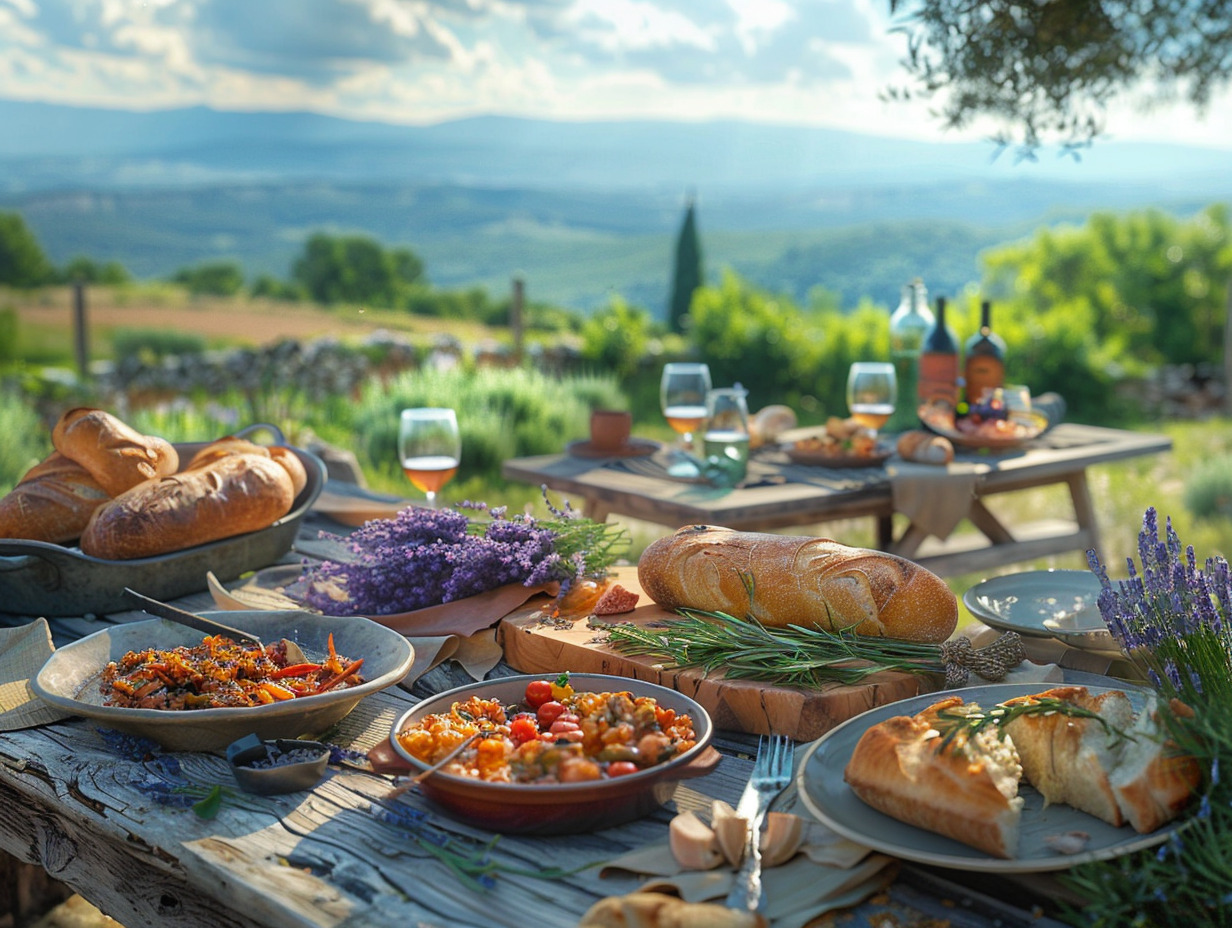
[[422, 557]]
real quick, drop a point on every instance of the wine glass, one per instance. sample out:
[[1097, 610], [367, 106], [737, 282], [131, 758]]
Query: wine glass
[[429, 448], [682, 395], [872, 391]]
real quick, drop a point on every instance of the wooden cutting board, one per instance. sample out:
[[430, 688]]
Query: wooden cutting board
[[533, 645]]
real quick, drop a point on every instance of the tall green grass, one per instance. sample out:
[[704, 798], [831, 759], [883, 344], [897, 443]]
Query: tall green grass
[[24, 439]]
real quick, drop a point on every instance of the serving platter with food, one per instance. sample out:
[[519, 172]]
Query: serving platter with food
[[994, 430], [841, 443], [164, 681], [1086, 777], [70, 546], [553, 754]]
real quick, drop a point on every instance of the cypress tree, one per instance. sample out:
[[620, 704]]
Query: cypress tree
[[687, 273]]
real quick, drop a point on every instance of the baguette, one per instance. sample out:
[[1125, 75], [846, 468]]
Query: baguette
[[231, 495], [52, 502], [785, 580], [116, 455], [232, 445]]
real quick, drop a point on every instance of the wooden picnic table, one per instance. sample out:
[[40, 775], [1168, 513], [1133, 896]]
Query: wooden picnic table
[[780, 494], [343, 853]]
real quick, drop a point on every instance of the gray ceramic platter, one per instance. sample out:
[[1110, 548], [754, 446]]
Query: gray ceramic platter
[[70, 678]]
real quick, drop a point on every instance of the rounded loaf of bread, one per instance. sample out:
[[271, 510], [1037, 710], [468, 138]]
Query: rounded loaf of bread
[[52, 502], [786, 580], [227, 496], [116, 455]]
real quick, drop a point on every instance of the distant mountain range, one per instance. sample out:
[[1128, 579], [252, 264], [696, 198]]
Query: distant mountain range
[[582, 210]]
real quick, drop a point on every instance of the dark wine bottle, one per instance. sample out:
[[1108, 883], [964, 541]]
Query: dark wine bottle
[[984, 369], [939, 362]]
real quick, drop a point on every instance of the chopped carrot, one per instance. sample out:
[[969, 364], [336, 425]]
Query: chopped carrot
[[295, 670], [349, 671]]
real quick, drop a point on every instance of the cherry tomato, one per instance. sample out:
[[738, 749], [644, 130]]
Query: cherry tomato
[[549, 712], [537, 693], [523, 729], [620, 768]]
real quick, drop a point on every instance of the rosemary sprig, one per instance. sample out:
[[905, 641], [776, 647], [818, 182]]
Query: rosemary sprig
[[795, 656], [956, 723]]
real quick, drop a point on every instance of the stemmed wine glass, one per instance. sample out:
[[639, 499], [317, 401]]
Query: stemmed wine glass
[[872, 391], [682, 395], [429, 448]]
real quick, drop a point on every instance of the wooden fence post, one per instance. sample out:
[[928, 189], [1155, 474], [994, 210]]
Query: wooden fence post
[[516, 323], [81, 343]]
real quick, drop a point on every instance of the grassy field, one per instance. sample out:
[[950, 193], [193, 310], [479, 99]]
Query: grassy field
[[46, 320]]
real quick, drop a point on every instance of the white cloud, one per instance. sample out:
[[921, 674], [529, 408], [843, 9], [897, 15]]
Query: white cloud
[[820, 62]]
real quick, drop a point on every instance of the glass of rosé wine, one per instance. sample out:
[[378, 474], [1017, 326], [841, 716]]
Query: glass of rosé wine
[[872, 391], [429, 448], [682, 396]]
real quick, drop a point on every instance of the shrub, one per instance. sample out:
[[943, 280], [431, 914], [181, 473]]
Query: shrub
[[27, 439], [616, 338], [1208, 494], [154, 343], [502, 413]]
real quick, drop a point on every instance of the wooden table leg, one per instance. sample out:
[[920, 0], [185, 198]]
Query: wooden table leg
[[983, 519], [595, 511], [1084, 508]]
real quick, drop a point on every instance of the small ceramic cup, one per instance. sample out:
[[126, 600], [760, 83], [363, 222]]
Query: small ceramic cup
[[610, 429]]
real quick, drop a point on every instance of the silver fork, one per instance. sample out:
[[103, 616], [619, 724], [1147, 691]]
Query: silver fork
[[771, 775]]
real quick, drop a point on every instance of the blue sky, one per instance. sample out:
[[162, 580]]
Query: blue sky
[[812, 62]]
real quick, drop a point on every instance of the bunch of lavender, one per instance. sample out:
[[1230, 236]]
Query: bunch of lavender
[[422, 557], [1173, 619]]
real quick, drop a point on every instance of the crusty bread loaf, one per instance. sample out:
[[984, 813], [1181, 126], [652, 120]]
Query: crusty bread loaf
[[116, 455], [968, 793], [52, 502], [924, 447], [232, 445], [293, 466], [231, 495], [659, 910], [1153, 782], [794, 580], [1123, 769], [221, 447], [1068, 759]]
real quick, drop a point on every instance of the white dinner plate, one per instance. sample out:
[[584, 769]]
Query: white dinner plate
[[1060, 604], [832, 802]]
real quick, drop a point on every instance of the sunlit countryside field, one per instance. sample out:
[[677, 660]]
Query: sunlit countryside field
[[1121, 491]]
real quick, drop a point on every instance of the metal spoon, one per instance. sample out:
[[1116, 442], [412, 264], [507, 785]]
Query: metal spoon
[[424, 774], [191, 619]]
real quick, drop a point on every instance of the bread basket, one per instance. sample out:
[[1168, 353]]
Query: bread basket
[[42, 579]]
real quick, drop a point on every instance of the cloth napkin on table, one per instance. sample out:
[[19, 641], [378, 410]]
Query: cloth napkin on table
[[462, 630], [934, 497], [23, 652], [829, 873]]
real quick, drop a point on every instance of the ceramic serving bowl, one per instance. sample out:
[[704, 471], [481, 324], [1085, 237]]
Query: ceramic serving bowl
[[70, 678], [560, 808]]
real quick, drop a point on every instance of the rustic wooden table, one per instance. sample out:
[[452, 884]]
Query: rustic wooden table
[[342, 853], [784, 495]]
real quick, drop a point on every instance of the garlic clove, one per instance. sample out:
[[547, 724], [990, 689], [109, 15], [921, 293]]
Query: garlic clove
[[693, 843], [731, 830], [782, 838]]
